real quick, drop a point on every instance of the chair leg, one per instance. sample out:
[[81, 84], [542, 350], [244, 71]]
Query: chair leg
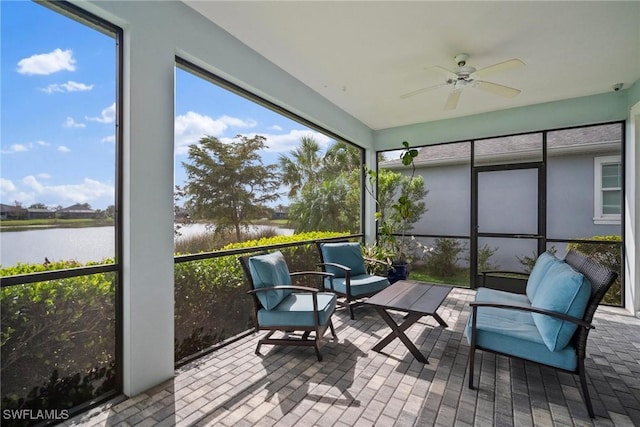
[[266, 337], [333, 331], [351, 311], [585, 389], [472, 356], [316, 346]]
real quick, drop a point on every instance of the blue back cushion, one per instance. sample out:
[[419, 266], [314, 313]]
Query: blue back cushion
[[540, 269], [345, 253], [563, 290], [267, 271]]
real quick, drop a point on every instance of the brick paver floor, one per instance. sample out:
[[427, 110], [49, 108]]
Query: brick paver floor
[[355, 386]]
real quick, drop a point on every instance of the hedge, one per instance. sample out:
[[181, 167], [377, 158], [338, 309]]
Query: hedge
[[610, 256], [57, 339]]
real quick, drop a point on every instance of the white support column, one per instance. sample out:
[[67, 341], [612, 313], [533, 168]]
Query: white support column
[[148, 284], [632, 214]]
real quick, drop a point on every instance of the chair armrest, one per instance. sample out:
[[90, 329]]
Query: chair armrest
[[486, 273], [313, 291], [290, 287], [580, 322], [336, 265], [519, 273], [316, 273], [377, 261]]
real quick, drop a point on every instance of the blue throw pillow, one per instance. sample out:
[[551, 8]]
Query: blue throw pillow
[[345, 253], [540, 269], [563, 290], [267, 271]]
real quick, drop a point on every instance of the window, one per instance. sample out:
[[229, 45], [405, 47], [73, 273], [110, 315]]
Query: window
[[60, 163], [607, 190]]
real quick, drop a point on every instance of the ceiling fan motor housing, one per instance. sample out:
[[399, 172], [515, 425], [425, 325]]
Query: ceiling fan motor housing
[[461, 59]]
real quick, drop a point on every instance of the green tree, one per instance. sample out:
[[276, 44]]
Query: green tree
[[322, 184], [227, 183], [303, 166], [38, 206]]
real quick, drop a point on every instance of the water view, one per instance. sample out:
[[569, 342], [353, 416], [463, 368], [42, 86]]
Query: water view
[[80, 244]]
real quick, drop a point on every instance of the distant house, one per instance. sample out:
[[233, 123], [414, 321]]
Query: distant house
[[583, 188], [280, 214], [77, 211], [12, 212], [40, 213]]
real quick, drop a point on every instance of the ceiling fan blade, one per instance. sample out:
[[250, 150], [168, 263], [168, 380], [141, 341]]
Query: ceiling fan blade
[[501, 66], [452, 100], [496, 89], [419, 91], [448, 73]]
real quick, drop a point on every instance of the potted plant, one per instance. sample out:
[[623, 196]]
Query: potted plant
[[399, 204]]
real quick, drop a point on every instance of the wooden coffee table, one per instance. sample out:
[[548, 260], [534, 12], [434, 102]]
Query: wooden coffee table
[[417, 299]]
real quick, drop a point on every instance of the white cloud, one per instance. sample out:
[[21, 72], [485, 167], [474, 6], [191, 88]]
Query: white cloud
[[108, 115], [64, 149], [69, 86], [280, 143], [16, 148], [276, 128], [70, 123], [190, 127], [6, 186], [19, 148], [111, 139], [86, 191], [32, 182], [47, 63], [44, 175]]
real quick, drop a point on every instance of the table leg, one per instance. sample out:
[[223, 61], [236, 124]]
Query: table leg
[[398, 331], [439, 320]]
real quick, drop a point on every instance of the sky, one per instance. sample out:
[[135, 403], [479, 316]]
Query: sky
[[57, 112]]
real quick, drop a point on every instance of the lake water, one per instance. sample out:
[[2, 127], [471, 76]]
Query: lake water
[[81, 244]]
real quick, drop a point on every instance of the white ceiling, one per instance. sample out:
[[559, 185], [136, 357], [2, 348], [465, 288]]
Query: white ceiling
[[362, 55]]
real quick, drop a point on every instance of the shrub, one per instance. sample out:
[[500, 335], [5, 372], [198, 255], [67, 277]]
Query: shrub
[[484, 255], [211, 303], [610, 256], [528, 262], [58, 338], [443, 258]]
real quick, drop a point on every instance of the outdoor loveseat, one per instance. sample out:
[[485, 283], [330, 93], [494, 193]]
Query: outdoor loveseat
[[549, 324]]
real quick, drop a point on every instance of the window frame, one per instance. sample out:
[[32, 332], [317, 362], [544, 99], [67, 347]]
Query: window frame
[[599, 217]]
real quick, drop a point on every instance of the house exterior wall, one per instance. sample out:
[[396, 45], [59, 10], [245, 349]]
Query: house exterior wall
[[507, 203]]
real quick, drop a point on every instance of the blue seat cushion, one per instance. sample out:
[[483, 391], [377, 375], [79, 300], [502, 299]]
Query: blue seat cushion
[[296, 310], [348, 254], [361, 285], [515, 333], [563, 290], [540, 269], [494, 295], [267, 271]]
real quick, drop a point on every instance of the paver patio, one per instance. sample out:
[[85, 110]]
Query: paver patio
[[355, 386]]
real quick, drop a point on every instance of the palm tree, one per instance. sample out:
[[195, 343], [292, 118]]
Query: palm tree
[[302, 167]]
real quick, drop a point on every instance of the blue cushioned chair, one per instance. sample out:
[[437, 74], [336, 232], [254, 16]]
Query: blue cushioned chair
[[280, 306], [351, 280], [550, 324]]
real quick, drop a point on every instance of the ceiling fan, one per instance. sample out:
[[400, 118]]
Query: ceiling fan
[[466, 75]]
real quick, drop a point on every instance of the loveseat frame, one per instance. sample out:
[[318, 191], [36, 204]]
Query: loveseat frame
[[601, 278]]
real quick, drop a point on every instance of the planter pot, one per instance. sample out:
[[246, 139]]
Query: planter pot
[[398, 272]]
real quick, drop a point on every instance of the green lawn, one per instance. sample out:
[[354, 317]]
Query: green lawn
[[24, 224], [459, 279]]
